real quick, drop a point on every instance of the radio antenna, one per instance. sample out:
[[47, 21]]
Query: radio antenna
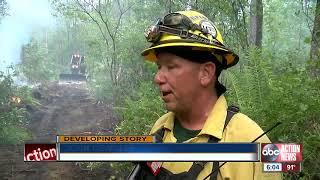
[[277, 124], [189, 6]]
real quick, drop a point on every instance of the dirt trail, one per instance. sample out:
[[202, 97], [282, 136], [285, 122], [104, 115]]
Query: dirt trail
[[66, 109]]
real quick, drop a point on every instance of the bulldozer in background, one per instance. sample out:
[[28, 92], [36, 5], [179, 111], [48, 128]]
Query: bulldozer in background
[[77, 68]]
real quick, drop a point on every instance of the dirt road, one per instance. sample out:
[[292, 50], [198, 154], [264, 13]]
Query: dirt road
[[67, 109]]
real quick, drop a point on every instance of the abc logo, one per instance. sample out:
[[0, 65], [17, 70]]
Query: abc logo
[[270, 152]]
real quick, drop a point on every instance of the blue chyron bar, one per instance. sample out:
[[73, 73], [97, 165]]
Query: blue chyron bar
[[159, 152]]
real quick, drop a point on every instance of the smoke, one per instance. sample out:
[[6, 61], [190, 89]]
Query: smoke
[[25, 17]]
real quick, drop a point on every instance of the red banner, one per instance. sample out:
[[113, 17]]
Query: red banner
[[290, 152], [40, 152], [291, 167]]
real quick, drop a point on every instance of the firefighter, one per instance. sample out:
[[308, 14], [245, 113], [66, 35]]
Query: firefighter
[[190, 54]]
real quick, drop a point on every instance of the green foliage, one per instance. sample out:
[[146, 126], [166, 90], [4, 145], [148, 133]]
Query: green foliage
[[3, 9], [11, 126], [102, 89], [286, 27], [138, 115], [5, 87], [249, 83], [141, 112], [270, 91], [13, 119], [122, 169], [25, 93], [36, 65]]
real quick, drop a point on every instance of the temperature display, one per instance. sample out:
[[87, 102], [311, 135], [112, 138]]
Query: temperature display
[[291, 167]]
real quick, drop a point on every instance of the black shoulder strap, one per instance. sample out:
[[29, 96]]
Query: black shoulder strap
[[197, 167], [159, 134], [231, 111]]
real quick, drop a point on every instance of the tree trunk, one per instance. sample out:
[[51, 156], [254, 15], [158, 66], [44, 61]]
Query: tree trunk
[[315, 42], [256, 21]]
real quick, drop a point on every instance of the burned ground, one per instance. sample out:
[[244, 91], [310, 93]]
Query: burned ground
[[67, 109]]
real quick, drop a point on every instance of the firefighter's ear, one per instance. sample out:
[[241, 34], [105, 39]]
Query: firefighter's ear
[[206, 74]]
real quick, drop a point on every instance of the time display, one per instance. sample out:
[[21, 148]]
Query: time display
[[272, 167]]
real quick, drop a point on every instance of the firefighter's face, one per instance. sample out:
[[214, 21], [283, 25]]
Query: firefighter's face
[[178, 80]]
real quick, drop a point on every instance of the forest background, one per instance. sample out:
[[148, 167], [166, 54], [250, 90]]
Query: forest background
[[276, 80]]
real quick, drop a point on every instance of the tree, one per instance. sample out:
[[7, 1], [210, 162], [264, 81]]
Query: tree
[[3, 8], [315, 42], [256, 21], [36, 65], [101, 14]]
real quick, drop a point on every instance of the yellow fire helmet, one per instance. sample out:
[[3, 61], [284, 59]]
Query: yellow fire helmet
[[188, 29]]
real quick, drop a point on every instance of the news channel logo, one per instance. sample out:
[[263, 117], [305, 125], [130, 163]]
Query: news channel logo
[[281, 152], [270, 152], [40, 152]]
